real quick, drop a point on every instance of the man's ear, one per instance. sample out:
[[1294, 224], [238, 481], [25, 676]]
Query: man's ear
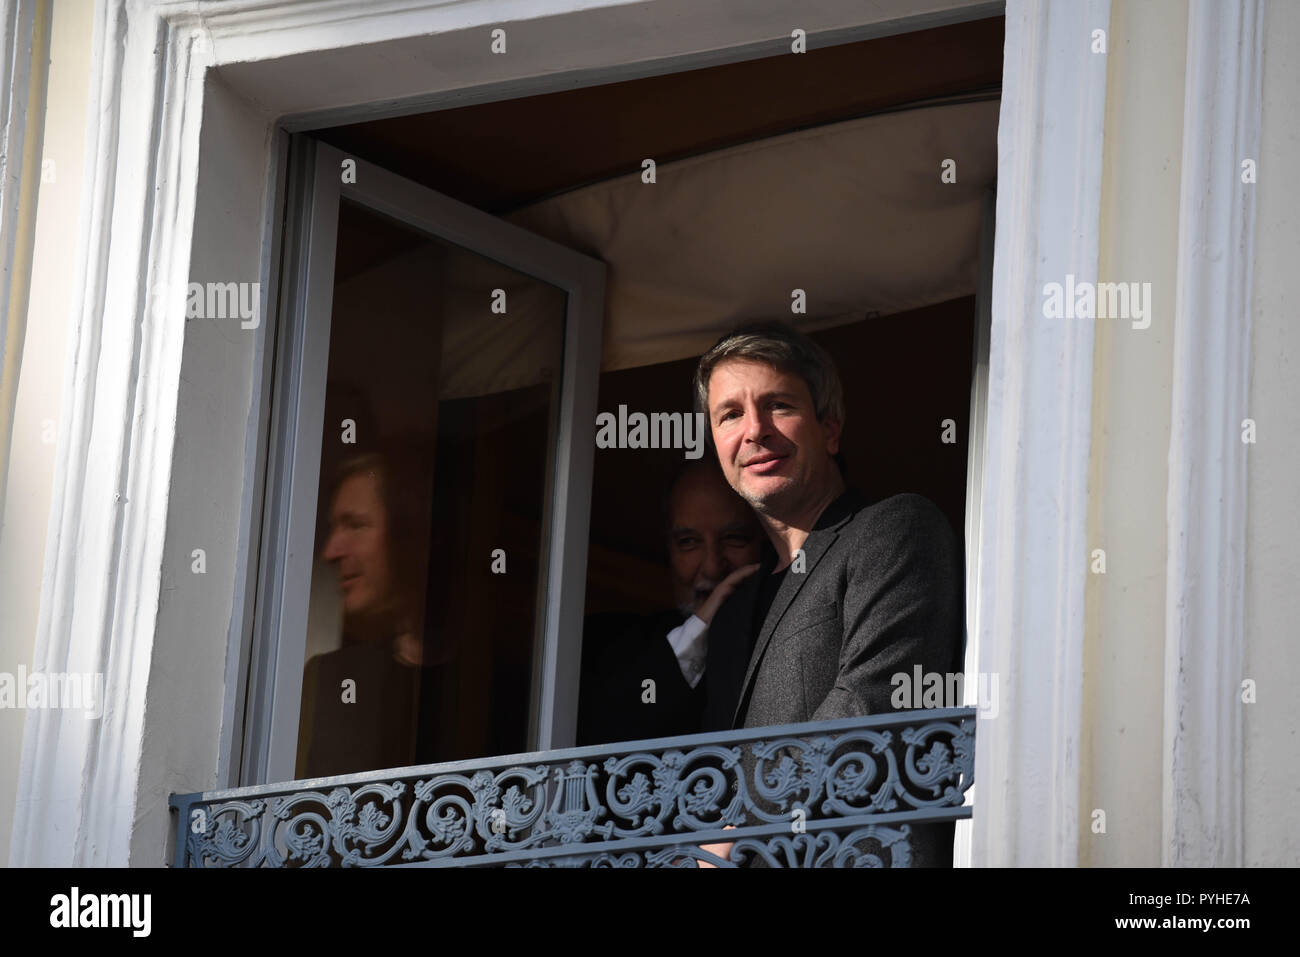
[[833, 429]]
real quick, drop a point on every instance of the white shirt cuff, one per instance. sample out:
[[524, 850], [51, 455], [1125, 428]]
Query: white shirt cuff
[[689, 642]]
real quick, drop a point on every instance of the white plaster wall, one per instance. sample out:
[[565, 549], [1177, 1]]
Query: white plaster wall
[[41, 376], [1272, 771], [188, 673], [1128, 467], [1129, 461]]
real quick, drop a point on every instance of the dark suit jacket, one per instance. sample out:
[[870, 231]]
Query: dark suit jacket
[[401, 715], [881, 593], [619, 652]]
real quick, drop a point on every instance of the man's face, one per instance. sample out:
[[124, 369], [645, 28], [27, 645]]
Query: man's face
[[711, 534], [358, 544], [771, 446]]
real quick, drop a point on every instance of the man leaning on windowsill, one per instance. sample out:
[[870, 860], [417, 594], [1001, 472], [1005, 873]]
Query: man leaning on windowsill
[[876, 590]]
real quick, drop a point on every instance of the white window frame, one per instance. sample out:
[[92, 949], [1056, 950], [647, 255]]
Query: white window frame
[[280, 632]]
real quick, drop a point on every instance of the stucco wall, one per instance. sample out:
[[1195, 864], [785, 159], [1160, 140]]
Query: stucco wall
[[1128, 467], [1128, 474], [190, 669], [41, 375], [1272, 775]]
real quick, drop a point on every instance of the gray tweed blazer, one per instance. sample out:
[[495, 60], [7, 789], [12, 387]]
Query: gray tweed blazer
[[880, 594]]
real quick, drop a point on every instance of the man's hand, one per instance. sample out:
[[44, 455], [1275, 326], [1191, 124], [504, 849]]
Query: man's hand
[[721, 850], [720, 594]]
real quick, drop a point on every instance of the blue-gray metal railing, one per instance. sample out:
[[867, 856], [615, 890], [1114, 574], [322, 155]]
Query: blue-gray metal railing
[[841, 793]]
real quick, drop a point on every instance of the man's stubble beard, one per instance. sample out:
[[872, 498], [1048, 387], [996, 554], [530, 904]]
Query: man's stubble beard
[[773, 503]]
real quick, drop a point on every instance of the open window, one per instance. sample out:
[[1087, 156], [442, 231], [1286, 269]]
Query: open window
[[433, 366], [853, 205]]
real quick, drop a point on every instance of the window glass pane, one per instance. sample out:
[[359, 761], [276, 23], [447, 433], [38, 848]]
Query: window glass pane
[[438, 438]]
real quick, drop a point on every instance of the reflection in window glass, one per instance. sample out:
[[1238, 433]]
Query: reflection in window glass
[[438, 436]]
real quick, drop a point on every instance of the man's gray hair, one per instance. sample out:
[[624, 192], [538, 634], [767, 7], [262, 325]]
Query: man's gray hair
[[780, 345]]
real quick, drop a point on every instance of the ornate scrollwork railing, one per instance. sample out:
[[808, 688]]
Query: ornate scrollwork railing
[[843, 793]]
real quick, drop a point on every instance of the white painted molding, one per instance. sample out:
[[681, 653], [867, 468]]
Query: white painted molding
[[24, 42], [108, 512], [17, 26], [1032, 549], [1206, 504], [979, 393]]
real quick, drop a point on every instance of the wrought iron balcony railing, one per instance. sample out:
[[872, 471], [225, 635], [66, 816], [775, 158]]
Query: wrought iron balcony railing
[[843, 793]]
